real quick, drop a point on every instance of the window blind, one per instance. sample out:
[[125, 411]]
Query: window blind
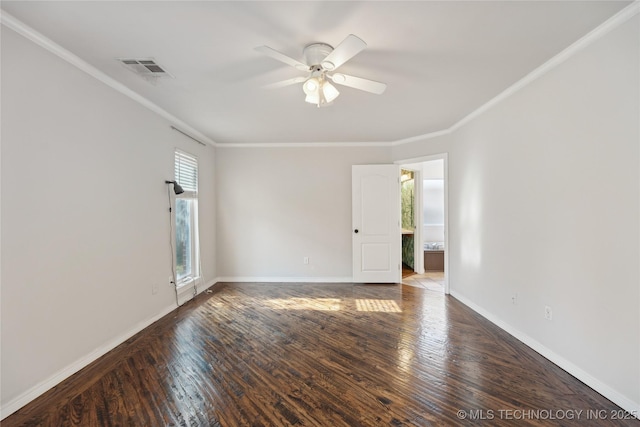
[[187, 173]]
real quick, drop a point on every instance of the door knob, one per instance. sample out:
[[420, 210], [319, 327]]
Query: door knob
[[355, 231]]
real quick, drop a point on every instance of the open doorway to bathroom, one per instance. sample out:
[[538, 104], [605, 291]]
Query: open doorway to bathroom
[[424, 237], [408, 218]]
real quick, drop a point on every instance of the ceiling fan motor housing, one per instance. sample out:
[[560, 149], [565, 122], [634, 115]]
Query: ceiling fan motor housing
[[316, 52]]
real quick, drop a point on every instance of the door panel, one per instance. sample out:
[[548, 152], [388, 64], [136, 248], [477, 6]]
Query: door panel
[[376, 223], [375, 257], [374, 194]]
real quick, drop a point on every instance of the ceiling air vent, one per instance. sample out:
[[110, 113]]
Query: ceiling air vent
[[146, 68]]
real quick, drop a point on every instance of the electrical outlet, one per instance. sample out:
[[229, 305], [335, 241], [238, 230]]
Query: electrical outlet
[[514, 299], [306, 260], [154, 288], [548, 313]]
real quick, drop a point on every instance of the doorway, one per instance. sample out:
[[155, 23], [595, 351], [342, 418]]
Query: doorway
[[430, 233], [408, 216]]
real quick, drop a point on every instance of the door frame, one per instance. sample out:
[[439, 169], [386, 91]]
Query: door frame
[[420, 208]]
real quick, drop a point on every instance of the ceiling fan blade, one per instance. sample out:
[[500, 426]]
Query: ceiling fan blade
[[346, 50], [358, 83], [284, 83], [282, 57]]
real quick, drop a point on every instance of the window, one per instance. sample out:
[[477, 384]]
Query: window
[[186, 217]]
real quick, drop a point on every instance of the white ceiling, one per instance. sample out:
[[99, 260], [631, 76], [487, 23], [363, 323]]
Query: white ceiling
[[440, 59]]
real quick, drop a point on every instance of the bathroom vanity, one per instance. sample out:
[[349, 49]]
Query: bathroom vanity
[[433, 257]]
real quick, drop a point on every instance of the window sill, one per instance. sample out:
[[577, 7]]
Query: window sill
[[186, 282]]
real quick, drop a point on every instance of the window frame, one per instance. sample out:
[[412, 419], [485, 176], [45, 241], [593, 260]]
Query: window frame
[[190, 194]]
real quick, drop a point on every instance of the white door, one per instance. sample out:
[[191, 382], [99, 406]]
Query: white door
[[376, 230]]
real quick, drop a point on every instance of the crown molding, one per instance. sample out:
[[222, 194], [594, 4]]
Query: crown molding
[[603, 29], [301, 144], [41, 40], [423, 137]]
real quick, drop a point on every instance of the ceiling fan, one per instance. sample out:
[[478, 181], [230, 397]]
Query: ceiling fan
[[320, 62]]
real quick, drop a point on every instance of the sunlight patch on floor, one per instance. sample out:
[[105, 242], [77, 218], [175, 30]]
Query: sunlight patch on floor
[[379, 305], [321, 304]]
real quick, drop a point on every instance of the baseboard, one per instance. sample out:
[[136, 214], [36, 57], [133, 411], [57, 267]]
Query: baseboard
[[254, 279], [186, 292], [602, 388], [40, 388], [31, 394], [206, 286], [183, 295]]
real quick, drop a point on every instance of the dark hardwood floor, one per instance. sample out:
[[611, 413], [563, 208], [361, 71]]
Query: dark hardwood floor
[[320, 355], [407, 271]]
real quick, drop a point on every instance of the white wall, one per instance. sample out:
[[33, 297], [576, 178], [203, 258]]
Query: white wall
[[544, 203], [433, 169], [85, 225], [426, 146], [78, 265], [278, 205]]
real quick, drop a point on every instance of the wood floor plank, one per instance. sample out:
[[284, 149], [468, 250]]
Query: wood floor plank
[[265, 354]]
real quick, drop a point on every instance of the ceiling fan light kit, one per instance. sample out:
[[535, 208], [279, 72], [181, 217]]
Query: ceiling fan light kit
[[320, 59], [319, 91]]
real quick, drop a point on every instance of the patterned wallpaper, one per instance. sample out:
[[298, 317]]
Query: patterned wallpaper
[[407, 196]]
